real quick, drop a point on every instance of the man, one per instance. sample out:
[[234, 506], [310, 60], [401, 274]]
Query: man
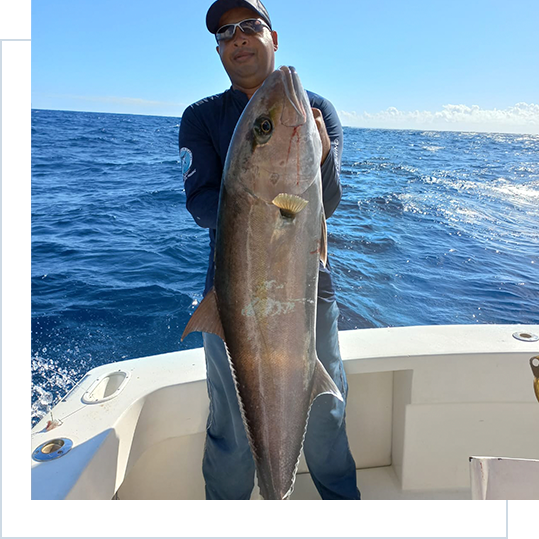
[[246, 44]]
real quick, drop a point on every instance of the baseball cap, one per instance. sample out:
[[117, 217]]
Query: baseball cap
[[219, 8]]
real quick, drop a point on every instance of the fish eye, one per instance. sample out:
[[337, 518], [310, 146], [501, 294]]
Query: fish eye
[[266, 127], [263, 129]]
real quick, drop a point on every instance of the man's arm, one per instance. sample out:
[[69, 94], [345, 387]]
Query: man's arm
[[331, 166], [201, 169]]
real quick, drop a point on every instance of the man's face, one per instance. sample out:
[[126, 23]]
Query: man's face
[[248, 60]]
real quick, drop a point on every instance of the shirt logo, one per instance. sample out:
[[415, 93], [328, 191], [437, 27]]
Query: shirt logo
[[186, 160]]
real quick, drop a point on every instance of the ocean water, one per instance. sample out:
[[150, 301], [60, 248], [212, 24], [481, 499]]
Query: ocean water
[[433, 228]]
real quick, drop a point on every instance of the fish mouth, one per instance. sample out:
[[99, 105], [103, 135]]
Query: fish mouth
[[293, 114]]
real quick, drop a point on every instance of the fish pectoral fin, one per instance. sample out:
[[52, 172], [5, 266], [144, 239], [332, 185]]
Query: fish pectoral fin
[[324, 241], [323, 383], [290, 205], [206, 317]]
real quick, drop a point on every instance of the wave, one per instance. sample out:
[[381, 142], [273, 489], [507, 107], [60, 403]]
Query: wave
[[433, 228]]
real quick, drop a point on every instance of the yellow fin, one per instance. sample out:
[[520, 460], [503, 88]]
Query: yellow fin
[[290, 205], [323, 384], [324, 241], [206, 318]]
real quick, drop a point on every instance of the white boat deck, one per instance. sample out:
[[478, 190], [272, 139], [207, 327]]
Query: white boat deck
[[422, 401], [380, 484]]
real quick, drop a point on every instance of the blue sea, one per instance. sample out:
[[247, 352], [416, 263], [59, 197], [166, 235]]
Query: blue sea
[[433, 228]]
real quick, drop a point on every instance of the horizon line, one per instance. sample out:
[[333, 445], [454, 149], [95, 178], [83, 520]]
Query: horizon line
[[438, 130]]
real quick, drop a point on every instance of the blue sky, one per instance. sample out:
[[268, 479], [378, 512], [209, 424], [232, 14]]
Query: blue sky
[[449, 64]]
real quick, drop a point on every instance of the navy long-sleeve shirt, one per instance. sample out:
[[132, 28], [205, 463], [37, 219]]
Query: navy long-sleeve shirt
[[206, 129]]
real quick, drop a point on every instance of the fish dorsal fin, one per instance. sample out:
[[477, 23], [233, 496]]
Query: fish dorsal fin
[[324, 241], [206, 317], [323, 384], [290, 205]]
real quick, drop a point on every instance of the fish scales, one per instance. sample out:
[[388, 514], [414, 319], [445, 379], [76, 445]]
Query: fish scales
[[270, 230]]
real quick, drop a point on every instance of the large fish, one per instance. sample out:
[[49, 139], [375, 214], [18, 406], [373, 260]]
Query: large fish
[[271, 235]]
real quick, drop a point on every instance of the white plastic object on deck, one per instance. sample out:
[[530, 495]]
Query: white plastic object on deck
[[501, 478]]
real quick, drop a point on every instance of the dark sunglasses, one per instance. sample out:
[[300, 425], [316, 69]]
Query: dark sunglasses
[[249, 27]]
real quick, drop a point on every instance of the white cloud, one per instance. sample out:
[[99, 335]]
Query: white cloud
[[521, 118]]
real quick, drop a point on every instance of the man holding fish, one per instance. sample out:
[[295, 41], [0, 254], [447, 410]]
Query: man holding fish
[[262, 175]]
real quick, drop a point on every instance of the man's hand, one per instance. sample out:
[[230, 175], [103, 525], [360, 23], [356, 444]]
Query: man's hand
[[324, 137]]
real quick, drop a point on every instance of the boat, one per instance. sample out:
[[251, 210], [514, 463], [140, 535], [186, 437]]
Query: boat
[[424, 402]]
